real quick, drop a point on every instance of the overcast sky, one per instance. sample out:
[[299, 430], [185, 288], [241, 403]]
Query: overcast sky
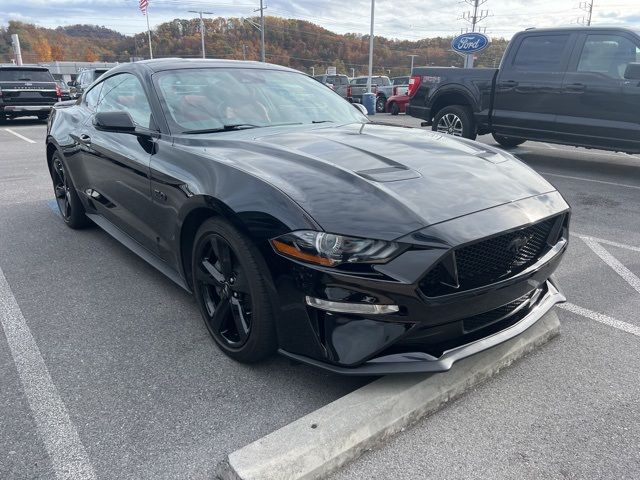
[[405, 19]]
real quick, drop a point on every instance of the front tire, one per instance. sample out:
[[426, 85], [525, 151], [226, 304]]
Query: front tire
[[508, 142], [456, 120], [230, 285], [381, 102], [67, 198], [394, 108]]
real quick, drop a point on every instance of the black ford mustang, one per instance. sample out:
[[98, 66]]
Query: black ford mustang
[[299, 225]]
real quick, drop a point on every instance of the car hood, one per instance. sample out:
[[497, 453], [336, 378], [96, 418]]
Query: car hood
[[378, 181]]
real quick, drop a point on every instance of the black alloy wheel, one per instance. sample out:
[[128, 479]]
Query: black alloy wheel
[[381, 103], [69, 203], [231, 292], [61, 189]]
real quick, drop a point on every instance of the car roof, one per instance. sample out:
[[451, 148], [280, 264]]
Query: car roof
[[579, 29], [160, 64], [22, 67]]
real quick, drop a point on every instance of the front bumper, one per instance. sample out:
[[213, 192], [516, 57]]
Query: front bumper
[[429, 330], [420, 362]]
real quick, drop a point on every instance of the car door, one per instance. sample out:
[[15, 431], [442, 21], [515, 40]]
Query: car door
[[529, 85], [117, 163], [601, 107]]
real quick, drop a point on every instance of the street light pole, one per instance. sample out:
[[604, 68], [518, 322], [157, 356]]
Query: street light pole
[[412, 57], [373, 6], [201, 27]]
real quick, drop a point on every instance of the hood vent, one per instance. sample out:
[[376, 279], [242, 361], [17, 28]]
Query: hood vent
[[389, 174]]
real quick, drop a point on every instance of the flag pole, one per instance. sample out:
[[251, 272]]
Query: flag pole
[[149, 33]]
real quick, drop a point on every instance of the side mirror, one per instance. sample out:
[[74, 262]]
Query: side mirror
[[361, 108], [632, 72], [114, 122]]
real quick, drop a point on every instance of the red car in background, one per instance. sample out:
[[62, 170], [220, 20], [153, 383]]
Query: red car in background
[[397, 104]]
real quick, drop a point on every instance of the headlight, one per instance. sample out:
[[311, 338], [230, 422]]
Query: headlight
[[330, 250]]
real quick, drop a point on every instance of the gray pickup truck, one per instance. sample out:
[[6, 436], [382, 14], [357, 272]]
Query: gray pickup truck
[[27, 91], [339, 83], [380, 85], [576, 86]]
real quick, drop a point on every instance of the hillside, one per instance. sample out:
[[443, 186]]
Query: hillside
[[295, 43]]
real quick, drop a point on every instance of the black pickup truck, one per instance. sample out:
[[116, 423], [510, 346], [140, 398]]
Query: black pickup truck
[[27, 91], [575, 86]]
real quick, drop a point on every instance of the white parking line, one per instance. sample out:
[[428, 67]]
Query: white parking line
[[550, 146], [627, 275], [608, 242], [19, 136], [60, 437], [599, 317], [591, 180]]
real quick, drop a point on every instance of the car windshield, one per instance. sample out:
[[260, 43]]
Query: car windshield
[[216, 98], [26, 75]]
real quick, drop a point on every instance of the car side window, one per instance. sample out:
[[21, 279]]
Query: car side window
[[608, 55], [123, 92], [92, 97], [541, 53]]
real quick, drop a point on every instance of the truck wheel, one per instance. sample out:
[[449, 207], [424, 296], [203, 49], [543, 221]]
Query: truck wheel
[[394, 108], [456, 120], [508, 142], [381, 102]]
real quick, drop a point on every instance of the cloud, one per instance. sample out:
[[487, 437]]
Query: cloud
[[403, 19]]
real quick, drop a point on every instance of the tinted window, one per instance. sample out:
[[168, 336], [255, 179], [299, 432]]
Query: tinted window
[[210, 98], [92, 97], [26, 75], [608, 55], [125, 93], [361, 81], [541, 54]]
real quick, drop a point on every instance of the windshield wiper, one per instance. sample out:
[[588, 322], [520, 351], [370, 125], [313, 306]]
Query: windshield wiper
[[322, 121], [224, 128]]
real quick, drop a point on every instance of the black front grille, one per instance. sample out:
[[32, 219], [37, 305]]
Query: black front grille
[[491, 260]]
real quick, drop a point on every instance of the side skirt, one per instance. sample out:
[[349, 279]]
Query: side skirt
[[138, 249]]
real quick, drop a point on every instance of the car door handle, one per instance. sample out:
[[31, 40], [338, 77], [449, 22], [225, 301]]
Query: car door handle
[[575, 87], [508, 84]]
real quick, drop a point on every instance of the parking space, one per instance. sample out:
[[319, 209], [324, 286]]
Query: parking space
[[150, 396]]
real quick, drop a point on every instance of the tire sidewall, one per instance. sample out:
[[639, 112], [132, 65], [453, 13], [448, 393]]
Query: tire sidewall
[[381, 102], [394, 109], [464, 113]]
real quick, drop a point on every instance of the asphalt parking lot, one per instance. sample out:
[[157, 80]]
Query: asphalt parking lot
[[104, 344]]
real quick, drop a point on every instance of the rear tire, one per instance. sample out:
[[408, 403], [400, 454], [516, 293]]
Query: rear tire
[[456, 120], [508, 142], [69, 204], [381, 103], [230, 286], [394, 109]]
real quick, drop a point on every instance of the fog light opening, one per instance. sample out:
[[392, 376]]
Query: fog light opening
[[359, 308]]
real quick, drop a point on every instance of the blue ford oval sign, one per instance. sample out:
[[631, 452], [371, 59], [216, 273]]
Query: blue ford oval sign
[[470, 43]]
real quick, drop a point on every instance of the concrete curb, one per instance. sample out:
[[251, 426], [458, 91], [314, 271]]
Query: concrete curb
[[319, 443]]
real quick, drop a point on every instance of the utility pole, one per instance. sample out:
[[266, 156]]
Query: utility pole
[[313, 71], [412, 57], [373, 7], [353, 72], [261, 28], [201, 27], [15, 42], [474, 17], [588, 8], [244, 52]]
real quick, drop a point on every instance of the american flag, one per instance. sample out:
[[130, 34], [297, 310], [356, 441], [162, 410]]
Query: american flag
[[143, 6]]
